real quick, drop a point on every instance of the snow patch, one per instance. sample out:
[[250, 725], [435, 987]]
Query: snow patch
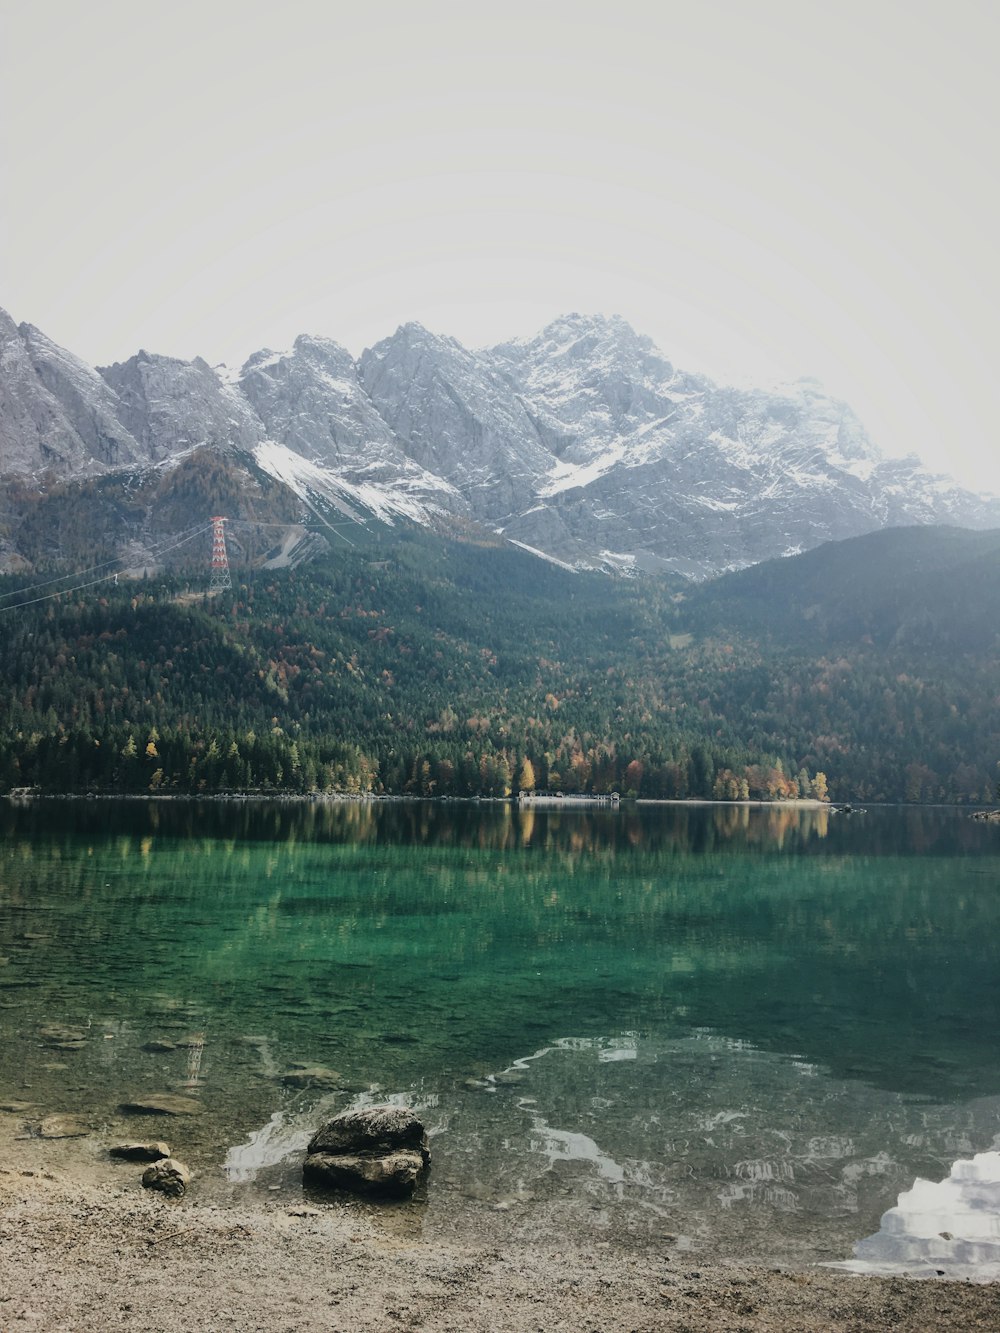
[[622, 562], [542, 555], [569, 476], [311, 480]]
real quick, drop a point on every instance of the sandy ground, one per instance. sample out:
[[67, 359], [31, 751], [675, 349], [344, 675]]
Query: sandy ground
[[85, 1249]]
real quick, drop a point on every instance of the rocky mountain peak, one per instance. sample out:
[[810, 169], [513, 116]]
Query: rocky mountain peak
[[171, 406]]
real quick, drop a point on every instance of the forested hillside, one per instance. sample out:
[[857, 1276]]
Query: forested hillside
[[408, 663]]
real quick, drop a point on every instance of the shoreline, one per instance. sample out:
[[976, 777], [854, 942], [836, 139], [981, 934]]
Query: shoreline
[[22, 797], [80, 1249]]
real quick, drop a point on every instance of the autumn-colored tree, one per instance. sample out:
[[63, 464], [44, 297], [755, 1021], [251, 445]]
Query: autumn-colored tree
[[526, 778]]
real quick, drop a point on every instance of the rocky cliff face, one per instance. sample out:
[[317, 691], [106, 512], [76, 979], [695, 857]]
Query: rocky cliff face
[[583, 442], [457, 415], [311, 401], [171, 406], [56, 414]]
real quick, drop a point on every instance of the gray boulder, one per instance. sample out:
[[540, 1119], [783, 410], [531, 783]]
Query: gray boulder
[[378, 1150]]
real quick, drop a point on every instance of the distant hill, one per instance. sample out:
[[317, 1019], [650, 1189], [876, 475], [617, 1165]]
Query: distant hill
[[927, 589]]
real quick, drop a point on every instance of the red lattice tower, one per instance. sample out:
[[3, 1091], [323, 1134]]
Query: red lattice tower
[[220, 560]]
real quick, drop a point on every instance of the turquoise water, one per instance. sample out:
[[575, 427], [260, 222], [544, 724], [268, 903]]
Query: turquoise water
[[730, 1027]]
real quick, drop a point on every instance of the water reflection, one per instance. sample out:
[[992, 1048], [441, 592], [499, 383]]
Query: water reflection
[[795, 930], [947, 1228], [493, 825]]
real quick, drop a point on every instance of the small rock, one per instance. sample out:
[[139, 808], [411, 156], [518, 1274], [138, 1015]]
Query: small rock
[[508, 1078], [303, 1211], [162, 1103], [140, 1152], [63, 1127], [168, 1176], [16, 1108], [159, 1044]]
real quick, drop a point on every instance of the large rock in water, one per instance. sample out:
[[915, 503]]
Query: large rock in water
[[377, 1150]]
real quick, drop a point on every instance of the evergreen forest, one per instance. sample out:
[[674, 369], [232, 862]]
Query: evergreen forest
[[411, 663]]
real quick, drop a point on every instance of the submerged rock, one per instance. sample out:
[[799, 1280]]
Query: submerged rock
[[162, 1103], [168, 1176], [63, 1127], [311, 1076], [376, 1150], [159, 1044], [58, 1036], [140, 1152]]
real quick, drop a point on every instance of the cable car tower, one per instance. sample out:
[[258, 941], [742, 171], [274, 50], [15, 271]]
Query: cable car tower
[[221, 580]]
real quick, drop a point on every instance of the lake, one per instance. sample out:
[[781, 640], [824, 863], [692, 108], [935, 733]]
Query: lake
[[725, 1029]]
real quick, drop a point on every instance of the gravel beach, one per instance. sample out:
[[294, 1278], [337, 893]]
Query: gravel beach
[[84, 1247]]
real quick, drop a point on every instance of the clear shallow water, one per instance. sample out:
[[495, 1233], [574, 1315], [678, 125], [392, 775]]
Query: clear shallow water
[[733, 1028]]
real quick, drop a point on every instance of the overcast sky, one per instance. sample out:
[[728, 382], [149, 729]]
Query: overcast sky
[[769, 189]]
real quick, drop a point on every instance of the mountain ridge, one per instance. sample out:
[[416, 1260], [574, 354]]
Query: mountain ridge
[[582, 442]]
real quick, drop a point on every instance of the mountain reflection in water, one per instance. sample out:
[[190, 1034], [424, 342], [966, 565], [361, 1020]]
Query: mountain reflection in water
[[940, 1228]]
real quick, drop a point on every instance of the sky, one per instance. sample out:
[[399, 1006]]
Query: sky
[[770, 189]]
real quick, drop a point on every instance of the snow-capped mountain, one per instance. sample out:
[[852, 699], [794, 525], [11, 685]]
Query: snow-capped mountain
[[583, 443]]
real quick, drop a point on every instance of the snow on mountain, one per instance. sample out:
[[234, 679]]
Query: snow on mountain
[[582, 443], [313, 482], [312, 401]]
